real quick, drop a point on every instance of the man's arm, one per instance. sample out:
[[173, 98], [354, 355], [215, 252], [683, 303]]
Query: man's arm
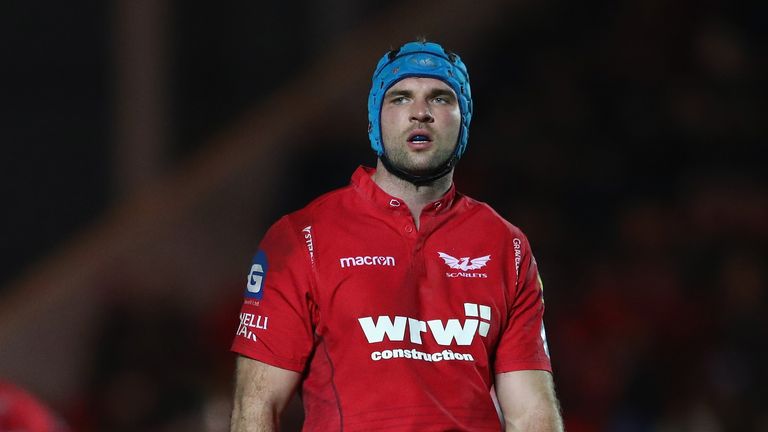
[[261, 393], [528, 403]]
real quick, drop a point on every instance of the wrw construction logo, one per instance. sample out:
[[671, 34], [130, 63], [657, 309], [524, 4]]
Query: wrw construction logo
[[445, 333]]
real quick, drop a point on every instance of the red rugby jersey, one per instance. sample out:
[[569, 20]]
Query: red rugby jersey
[[394, 328]]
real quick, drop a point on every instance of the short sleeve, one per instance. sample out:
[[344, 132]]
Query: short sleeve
[[523, 344], [275, 320]]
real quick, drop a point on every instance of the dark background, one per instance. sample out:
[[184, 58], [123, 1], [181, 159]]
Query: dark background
[[623, 137]]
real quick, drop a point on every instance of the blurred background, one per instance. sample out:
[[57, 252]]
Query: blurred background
[[148, 144]]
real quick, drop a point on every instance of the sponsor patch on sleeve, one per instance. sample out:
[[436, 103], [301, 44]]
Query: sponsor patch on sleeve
[[254, 289]]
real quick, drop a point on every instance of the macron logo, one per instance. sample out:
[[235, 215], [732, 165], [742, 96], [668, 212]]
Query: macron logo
[[444, 333], [367, 261]]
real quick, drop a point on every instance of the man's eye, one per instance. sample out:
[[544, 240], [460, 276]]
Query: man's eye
[[441, 100], [398, 99]]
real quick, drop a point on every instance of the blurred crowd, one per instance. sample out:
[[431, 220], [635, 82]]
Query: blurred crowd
[[631, 159]]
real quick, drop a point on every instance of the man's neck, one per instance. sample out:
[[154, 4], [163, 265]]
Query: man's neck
[[415, 197]]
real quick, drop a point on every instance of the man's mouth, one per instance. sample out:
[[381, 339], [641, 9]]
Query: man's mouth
[[419, 138]]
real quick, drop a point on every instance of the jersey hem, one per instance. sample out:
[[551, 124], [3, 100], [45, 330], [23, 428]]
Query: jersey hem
[[519, 366], [292, 365]]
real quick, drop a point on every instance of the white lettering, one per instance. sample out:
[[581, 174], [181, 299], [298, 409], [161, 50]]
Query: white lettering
[[246, 319], [375, 333], [413, 354], [250, 321], [484, 328], [253, 321], [242, 331], [453, 330], [367, 260], [446, 333], [467, 275], [261, 323], [485, 312], [255, 278], [308, 240], [416, 328]]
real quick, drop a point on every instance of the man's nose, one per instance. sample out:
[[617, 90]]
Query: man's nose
[[421, 112]]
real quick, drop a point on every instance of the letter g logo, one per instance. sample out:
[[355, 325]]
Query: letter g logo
[[256, 276]]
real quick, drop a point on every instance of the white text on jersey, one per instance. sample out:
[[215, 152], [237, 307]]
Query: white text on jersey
[[249, 321], [367, 260], [443, 333]]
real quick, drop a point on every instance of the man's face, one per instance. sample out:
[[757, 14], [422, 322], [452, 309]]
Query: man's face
[[420, 124]]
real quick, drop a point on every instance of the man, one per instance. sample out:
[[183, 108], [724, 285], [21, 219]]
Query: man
[[397, 303]]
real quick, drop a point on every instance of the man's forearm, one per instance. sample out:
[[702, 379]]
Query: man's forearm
[[253, 416], [528, 402], [261, 393], [542, 419]]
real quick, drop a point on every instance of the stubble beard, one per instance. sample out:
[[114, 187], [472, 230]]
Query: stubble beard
[[401, 158]]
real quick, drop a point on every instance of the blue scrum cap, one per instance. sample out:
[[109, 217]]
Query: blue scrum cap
[[419, 59]]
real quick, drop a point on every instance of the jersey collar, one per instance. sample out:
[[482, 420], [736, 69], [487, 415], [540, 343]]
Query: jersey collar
[[368, 189]]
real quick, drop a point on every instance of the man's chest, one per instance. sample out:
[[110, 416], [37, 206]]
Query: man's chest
[[447, 289]]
